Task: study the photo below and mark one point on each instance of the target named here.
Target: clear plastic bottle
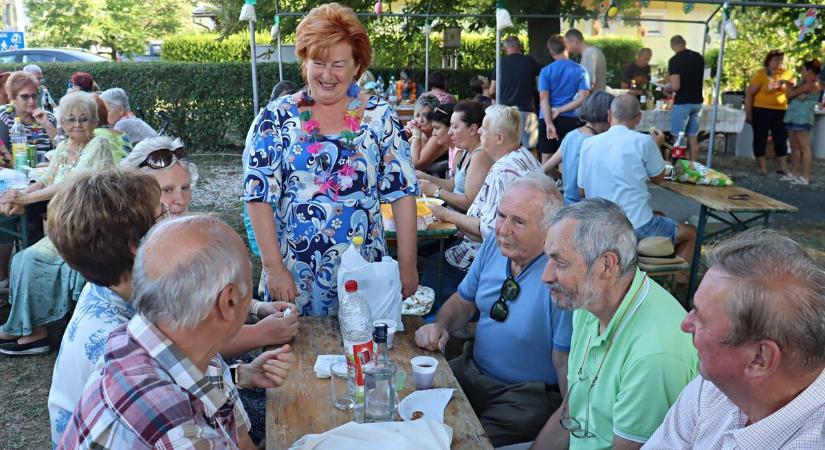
(379, 85)
(392, 96)
(356, 331)
(679, 149)
(19, 144)
(379, 380)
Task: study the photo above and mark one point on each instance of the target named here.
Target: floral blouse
(95, 155)
(324, 191)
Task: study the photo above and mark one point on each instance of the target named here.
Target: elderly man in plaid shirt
(164, 385)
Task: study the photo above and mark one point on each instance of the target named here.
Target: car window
(7, 58)
(37, 57)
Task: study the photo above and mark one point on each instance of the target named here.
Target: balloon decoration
(248, 11)
(378, 8)
(610, 12)
(806, 23)
(276, 27)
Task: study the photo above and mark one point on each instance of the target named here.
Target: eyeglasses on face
(163, 158)
(27, 97)
(72, 120)
(509, 291)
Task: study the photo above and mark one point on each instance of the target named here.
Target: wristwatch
(437, 193)
(234, 372)
(254, 311)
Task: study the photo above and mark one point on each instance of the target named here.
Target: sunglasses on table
(509, 291)
(163, 158)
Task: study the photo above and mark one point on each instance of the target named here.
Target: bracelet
(254, 311)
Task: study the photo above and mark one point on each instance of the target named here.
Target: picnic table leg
(439, 277)
(697, 253)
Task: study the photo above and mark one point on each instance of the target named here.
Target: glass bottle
(379, 380)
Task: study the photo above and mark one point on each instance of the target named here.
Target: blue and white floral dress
(326, 190)
(99, 310)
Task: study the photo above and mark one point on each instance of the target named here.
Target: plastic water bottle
(46, 101)
(379, 84)
(356, 331)
(19, 144)
(392, 96)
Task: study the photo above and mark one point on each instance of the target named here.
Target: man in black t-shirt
(519, 74)
(686, 69)
(638, 71)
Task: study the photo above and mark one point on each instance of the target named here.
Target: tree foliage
(760, 30)
(124, 26)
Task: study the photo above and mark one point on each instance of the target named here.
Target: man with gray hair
(617, 164)
(513, 370)
(121, 117)
(760, 332)
(163, 384)
(628, 360)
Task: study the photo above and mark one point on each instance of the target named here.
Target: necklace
(331, 182)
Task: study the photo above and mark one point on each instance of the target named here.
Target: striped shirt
(150, 395)
(704, 418)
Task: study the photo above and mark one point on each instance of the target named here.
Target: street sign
(12, 40)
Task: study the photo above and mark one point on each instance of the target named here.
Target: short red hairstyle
(327, 25)
(83, 80)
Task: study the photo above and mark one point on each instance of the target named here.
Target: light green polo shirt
(649, 363)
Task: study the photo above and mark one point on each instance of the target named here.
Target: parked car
(35, 55)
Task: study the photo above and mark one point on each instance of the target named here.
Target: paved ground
(25, 381)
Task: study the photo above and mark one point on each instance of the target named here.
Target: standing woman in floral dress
(320, 163)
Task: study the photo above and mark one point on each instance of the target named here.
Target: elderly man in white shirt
(759, 328)
(617, 164)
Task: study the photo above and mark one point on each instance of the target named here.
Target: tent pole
(717, 85)
(427, 56)
(254, 68)
(498, 64)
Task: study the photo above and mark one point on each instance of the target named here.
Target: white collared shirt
(704, 418)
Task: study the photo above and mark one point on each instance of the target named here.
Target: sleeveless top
(801, 109)
(460, 177)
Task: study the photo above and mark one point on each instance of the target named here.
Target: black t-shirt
(634, 72)
(690, 66)
(518, 81)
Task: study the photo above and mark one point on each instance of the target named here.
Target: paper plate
(419, 303)
(430, 402)
(430, 201)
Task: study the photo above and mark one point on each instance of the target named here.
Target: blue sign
(12, 40)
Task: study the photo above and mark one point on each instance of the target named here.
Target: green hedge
(206, 48)
(619, 52)
(210, 105)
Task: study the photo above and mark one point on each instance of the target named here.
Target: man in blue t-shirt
(563, 87)
(509, 373)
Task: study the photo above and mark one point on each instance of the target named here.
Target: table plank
(723, 198)
(304, 404)
(436, 230)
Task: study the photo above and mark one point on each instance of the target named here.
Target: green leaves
(122, 25)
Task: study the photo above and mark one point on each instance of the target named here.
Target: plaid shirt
(150, 395)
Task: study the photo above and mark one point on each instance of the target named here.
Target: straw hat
(658, 250)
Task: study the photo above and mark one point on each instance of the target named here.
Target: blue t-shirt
(564, 79)
(571, 147)
(520, 348)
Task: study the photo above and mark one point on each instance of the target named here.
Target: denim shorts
(658, 226)
(798, 126)
(680, 114)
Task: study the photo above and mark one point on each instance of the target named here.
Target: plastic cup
(392, 327)
(342, 384)
(423, 371)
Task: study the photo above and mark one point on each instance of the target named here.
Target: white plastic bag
(379, 283)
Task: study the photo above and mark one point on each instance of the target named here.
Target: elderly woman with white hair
(121, 117)
(42, 284)
(165, 159)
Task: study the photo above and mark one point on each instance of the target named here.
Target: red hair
(83, 80)
(102, 111)
(327, 25)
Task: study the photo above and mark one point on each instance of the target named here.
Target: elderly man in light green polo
(628, 358)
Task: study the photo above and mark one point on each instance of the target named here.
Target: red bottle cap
(351, 286)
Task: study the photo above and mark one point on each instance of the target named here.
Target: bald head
(181, 267)
(625, 109)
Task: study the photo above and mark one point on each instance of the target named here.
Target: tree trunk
(538, 31)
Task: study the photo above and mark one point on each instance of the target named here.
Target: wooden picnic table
(304, 404)
(725, 204)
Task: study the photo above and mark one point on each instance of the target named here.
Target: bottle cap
(379, 334)
(358, 240)
(350, 285)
